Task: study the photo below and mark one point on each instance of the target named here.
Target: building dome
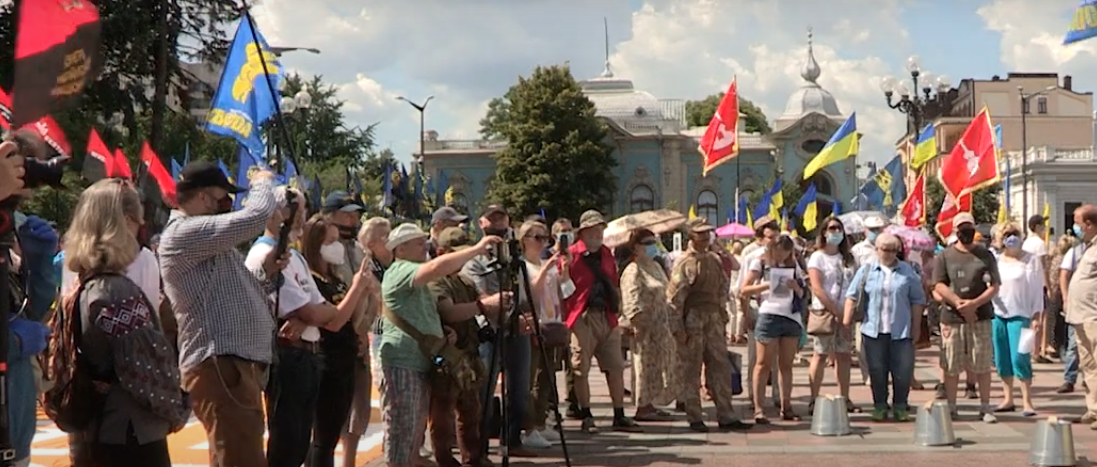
(617, 99)
(811, 98)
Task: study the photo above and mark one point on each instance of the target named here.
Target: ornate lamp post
(910, 102)
(290, 105)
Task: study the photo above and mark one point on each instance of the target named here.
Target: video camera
(39, 171)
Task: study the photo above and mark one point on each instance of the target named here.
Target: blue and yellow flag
(776, 196)
(890, 181)
(225, 170)
(246, 165)
(245, 96)
(925, 147)
(1084, 23)
(764, 207)
(808, 209)
(742, 215)
(843, 144)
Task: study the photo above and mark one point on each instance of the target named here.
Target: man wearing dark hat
(226, 327)
(341, 209)
(591, 314)
(697, 294)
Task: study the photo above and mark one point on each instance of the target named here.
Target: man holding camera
(226, 328)
(459, 303)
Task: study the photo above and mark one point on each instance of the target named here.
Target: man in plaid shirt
(226, 323)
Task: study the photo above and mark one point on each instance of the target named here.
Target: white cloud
(1032, 37)
(465, 53)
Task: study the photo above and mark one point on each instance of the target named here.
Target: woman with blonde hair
(645, 309)
(135, 370)
(1018, 306)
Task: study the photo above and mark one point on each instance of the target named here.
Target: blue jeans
(888, 357)
(292, 395)
(1070, 357)
(1007, 337)
(519, 355)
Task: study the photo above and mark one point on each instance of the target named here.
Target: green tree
(984, 203)
(555, 145)
(320, 134)
(698, 113)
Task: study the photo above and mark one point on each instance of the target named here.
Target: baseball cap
(404, 233)
(963, 218)
(1036, 221)
(204, 174)
(699, 225)
(446, 213)
(341, 201)
(875, 222)
(454, 238)
(493, 209)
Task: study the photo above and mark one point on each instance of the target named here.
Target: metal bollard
(830, 417)
(1052, 444)
(934, 425)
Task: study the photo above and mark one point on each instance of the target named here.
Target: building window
(460, 202)
(641, 199)
(708, 206)
(1041, 105)
(1025, 106)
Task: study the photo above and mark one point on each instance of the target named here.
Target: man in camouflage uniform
(698, 295)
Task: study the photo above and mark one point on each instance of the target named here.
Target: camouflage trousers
(705, 347)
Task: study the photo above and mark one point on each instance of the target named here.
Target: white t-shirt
(1034, 245)
(836, 277)
(864, 252)
(298, 289)
(143, 271)
(1022, 290)
(887, 305)
(1070, 260)
(549, 307)
(782, 307)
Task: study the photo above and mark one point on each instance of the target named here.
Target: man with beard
(341, 209)
(966, 277)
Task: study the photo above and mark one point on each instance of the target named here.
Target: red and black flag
(98, 162)
(5, 110)
(56, 56)
(121, 165)
(161, 178)
(51, 133)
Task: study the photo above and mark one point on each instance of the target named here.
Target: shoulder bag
(860, 306)
(449, 364)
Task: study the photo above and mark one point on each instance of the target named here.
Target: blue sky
(465, 53)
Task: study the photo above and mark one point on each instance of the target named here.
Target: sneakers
(588, 425)
(987, 415)
(901, 415)
(1066, 388)
(969, 392)
(550, 435)
(879, 415)
(534, 440)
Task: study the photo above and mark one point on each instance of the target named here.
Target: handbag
(451, 365)
(821, 323)
(554, 334)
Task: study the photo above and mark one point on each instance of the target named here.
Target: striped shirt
(221, 307)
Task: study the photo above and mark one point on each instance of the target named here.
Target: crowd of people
(288, 333)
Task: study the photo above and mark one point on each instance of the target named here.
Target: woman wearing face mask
(830, 269)
(645, 310)
(1018, 306)
(339, 343)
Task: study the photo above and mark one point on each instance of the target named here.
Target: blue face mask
(835, 238)
(1077, 230)
(871, 236)
(651, 250)
(1012, 242)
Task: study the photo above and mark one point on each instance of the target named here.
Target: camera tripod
(513, 276)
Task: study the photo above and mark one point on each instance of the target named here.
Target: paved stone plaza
(782, 444)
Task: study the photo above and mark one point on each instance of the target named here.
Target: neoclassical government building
(658, 162)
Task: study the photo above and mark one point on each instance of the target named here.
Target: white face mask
(334, 253)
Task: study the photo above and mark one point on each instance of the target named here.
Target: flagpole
(274, 95)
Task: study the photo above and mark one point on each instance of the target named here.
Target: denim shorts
(771, 326)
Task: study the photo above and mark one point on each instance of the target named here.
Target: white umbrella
(658, 221)
(855, 221)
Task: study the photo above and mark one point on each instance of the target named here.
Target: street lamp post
(422, 108)
(301, 101)
(1025, 100)
(910, 103)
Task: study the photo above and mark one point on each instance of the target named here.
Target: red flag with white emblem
(913, 211)
(949, 209)
(721, 141)
(51, 133)
(973, 162)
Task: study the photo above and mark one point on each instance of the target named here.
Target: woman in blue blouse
(896, 300)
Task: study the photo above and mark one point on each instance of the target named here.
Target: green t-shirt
(417, 307)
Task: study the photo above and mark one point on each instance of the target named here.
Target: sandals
(760, 419)
(790, 416)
